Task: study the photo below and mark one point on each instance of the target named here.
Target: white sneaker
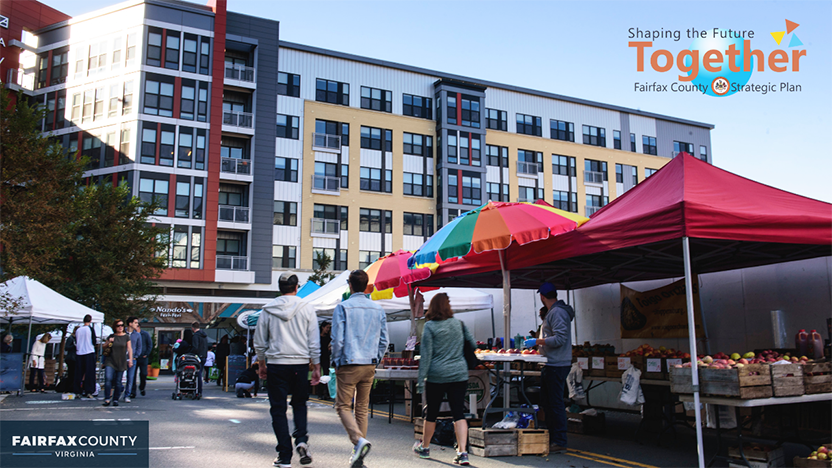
(127, 399)
(362, 448)
(303, 452)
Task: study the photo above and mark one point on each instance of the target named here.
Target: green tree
(320, 275)
(38, 182)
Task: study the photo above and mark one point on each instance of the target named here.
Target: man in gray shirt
(136, 344)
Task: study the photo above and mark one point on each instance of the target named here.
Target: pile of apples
(723, 361)
(662, 352)
(822, 453)
(587, 350)
(506, 351)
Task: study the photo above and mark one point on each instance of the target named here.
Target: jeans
(553, 380)
(142, 363)
(86, 373)
(131, 379)
(282, 380)
(41, 378)
(354, 382)
(112, 379)
(199, 380)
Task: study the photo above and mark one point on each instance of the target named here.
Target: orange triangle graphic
(790, 26)
(778, 36)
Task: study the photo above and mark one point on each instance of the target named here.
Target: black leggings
(434, 393)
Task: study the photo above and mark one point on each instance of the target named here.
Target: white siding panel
(540, 181)
(326, 157)
(560, 183)
(345, 155)
(412, 163)
(286, 235)
(388, 243)
(323, 242)
(592, 190)
(288, 148)
(287, 191)
(388, 161)
(525, 182)
(345, 238)
(369, 241)
(412, 242)
(430, 166)
(290, 106)
(619, 188)
(492, 174)
(370, 158)
(641, 126)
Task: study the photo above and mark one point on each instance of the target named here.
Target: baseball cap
(288, 278)
(547, 288)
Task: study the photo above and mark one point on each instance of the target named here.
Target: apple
(813, 454)
(707, 359)
(731, 362)
(748, 355)
(823, 449)
(740, 365)
(735, 356)
(822, 456)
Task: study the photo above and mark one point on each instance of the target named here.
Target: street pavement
(223, 431)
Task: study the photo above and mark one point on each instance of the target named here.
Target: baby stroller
(187, 372)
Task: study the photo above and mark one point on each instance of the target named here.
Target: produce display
(506, 351)
(822, 453)
(736, 360)
(650, 352)
(588, 350)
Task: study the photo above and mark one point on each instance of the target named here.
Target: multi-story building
(265, 153)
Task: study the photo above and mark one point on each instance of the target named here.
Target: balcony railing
(594, 177)
(18, 77)
(525, 200)
(326, 226)
(234, 214)
(238, 119)
(324, 140)
(590, 210)
(236, 166)
(326, 183)
(230, 262)
(524, 167)
(239, 72)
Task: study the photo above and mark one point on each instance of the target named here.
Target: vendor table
(408, 376)
(504, 378)
(759, 402)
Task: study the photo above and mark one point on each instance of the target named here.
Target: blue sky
(580, 49)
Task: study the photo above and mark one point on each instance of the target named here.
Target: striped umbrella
(390, 275)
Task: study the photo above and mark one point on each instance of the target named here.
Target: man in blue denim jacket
(359, 341)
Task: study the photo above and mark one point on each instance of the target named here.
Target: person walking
(443, 370)
(359, 341)
(556, 345)
(210, 360)
(200, 344)
(326, 357)
(147, 347)
(136, 343)
(37, 363)
(223, 350)
(85, 358)
(287, 342)
(118, 358)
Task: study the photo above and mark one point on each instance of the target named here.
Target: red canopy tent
(688, 218)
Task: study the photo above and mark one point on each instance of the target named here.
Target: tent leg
(493, 325)
(506, 300)
(700, 445)
(63, 350)
(412, 302)
(706, 338)
(26, 352)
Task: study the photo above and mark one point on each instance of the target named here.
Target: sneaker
(127, 399)
(461, 459)
(303, 452)
(132, 395)
(142, 392)
(115, 402)
(362, 448)
(282, 463)
(555, 448)
(421, 451)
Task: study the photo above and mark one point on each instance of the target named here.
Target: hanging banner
(659, 313)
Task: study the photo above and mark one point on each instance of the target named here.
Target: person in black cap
(556, 344)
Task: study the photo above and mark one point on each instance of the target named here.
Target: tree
(37, 187)
(321, 276)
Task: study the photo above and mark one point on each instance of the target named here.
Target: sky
(580, 49)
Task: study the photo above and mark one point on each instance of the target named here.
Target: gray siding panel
(668, 132)
(625, 131)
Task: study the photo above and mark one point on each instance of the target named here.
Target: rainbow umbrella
(390, 275)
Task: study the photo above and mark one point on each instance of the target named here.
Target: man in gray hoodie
(287, 342)
(556, 345)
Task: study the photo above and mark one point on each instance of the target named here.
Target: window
(470, 111)
(566, 201)
(682, 147)
(233, 195)
(367, 258)
(287, 126)
(333, 92)
(124, 153)
(285, 213)
(60, 114)
(497, 191)
(469, 149)
(528, 125)
(452, 146)
(417, 224)
(326, 177)
(703, 152)
(166, 145)
(453, 187)
(179, 242)
(236, 148)
(418, 185)
(197, 206)
(89, 98)
(186, 147)
(60, 66)
(529, 194)
(496, 155)
(172, 50)
(154, 47)
(563, 165)
(98, 107)
(189, 53)
(116, 62)
(288, 84)
(183, 199)
(231, 244)
(130, 55)
(496, 119)
(594, 136)
(371, 220)
(371, 138)
(560, 130)
(97, 58)
(148, 151)
(648, 144)
(91, 148)
(452, 108)
(202, 103)
(337, 256)
(110, 149)
(595, 171)
(531, 162)
(204, 55)
(158, 96)
(286, 169)
(75, 115)
(633, 142)
(628, 173)
(648, 172)
(152, 190)
(187, 107)
(283, 256)
(371, 179)
(420, 145)
(326, 127)
(452, 214)
(127, 101)
(340, 213)
(43, 67)
(596, 201)
(471, 188)
(115, 94)
(616, 139)
(417, 106)
(199, 163)
(376, 99)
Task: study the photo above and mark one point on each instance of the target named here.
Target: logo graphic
(720, 86)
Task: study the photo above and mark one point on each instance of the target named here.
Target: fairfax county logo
(720, 86)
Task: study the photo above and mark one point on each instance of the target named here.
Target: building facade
(266, 153)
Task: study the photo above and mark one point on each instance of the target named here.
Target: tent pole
(412, 302)
(506, 300)
(700, 446)
(706, 338)
(28, 353)
(63, 350)
(493, 326)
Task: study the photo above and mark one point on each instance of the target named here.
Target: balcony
(234, 214)
(236, 166)
(326, 227)
(594, 177)
(230, 262)
(17, 79)
(326, 184)
(590, 210)
(239, 72)
(238, 119)
(326, 142)
(527, 168)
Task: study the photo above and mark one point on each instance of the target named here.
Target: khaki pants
(354, 382)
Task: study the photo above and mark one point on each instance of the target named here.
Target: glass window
(190, 52)
(333, 92)
(648, 144)
(616, 139)
(376, 99)
(496, 119)
(148, 151)
(594, 136)
(287, 126)
(153, 190)
(187, 107)
(528, 125)
(496, 155)
(154, 47)
(183, 200)
(470, 111)
(417, 106)
(376, 180)
(288, 84)
(286, 169)
(376, 138)
(563, 165)
(186, 147)
(283, 256)
(285, 213)
(566, 201)
(172, 50)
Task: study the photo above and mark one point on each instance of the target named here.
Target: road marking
(598, 460)
(606, 457)
(172, 448)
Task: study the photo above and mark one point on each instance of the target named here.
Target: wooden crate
(680, 380)
(577, 423)
(821, 379)
(751, 381)
(492, 442)
(757, 456)
(419, 426)
(595, 371)
(787, 380)
(612, 365)
(660, 375)
(532, 442)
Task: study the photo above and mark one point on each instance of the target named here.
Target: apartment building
(265, 153)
